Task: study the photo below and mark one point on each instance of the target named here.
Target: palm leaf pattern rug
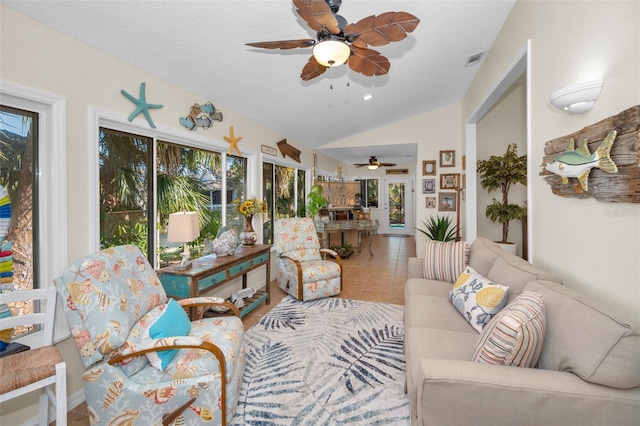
(325, 362)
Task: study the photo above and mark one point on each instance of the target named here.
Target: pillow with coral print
(477, 298)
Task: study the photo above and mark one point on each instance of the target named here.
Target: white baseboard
(73, 401)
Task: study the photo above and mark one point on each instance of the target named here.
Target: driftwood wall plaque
(623, 186)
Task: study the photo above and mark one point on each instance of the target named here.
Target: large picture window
(140, 187)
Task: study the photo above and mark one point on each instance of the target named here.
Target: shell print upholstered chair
(146, 362)
(301, 270)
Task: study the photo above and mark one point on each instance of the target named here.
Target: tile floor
(377, 278)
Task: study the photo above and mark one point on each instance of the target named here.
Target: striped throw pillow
(445, 261)
(515, 335)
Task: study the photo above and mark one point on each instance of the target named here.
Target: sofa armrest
(463, 392)
(416, 267)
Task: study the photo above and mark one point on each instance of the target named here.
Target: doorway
(397, 206)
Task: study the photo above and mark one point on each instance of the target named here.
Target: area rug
(325, 362)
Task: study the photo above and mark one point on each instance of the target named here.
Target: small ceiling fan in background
(373, 164)
(341, 43)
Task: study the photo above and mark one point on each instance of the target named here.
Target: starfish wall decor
(233, 141)
(141, 105)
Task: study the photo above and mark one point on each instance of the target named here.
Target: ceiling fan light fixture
(373, 166)
(331, 53)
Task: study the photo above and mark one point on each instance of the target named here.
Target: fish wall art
(201, 116)
(577, 163)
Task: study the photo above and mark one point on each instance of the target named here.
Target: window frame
(103, 118)
(52, 189)
(364, 199)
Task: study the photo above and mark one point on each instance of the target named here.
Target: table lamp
(184, 227)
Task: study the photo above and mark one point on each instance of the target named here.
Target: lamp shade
(183, 227)
(331, 53)
(578, 98)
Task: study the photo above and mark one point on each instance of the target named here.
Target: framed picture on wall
(428, 167)
(447, 158)
(430, 202)
(428, 186)
(449, 181)
(447, 201)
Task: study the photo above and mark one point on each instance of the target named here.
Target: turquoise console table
(209, 272)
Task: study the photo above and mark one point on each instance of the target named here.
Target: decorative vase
(248, 236)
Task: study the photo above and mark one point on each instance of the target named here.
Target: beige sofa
(588, 372)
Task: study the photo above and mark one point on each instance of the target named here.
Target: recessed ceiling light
(367, 97)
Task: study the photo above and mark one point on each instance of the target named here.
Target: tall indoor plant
(500, 173)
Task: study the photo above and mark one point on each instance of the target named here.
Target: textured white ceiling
(200, 46)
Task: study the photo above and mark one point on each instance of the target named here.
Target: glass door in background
(398, 207)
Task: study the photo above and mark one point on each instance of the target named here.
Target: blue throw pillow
(172, 322)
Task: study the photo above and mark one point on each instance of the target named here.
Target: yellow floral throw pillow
(477, 298)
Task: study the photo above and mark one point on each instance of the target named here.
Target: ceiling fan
(340, 43)
(374, 163)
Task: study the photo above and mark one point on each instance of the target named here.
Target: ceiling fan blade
(368, 62)
(383, 29)
(361, 164)
(317, 15)
(284, 44)
(312, 69)
(387, 164)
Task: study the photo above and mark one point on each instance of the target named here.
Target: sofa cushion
(435, 312)
(587, 338)
(445, 260)
(476, 298)
(516, 272)
(516, 335)
(427, 287)
(483, 254)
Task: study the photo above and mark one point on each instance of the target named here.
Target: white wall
(593, 246)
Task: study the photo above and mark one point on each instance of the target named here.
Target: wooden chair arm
(299, 266)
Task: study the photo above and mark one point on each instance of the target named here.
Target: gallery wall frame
(447, 202)
(430, 202)
(428, 186)
(428, 167)
(449, 180)
(448, 158)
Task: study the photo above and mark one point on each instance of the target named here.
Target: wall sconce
(577, 99)
(183, 227)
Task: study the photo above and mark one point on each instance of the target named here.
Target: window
(140, 187)
(19, 225)
(369, 192)
(284, 191)
(47, 254)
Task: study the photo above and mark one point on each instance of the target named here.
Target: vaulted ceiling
(200, 46)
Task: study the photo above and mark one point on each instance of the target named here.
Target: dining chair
(39, 368)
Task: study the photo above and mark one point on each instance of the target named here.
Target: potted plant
(344, 251)
(439, 228)
(317, 200)
(500, 173)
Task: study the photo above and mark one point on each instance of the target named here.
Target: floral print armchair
(119, 317)
(301, 270)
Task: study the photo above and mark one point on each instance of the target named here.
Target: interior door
(398, 207)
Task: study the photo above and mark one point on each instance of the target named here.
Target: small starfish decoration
(233, 141)
(142, 105)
